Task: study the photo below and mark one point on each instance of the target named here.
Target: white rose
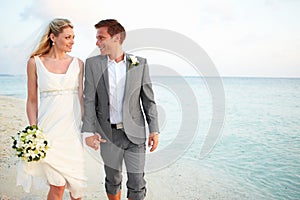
(134, 60)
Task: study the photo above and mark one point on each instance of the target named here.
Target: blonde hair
(56, 27)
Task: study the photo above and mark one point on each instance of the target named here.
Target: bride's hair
(56, 27)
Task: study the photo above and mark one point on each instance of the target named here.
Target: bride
(55, 104)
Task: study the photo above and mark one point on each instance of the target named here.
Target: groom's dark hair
(113, 28)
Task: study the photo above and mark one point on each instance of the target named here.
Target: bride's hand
(94, 141)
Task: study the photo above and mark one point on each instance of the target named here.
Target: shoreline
(183, 179)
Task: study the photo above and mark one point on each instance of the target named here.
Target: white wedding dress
(59, 116)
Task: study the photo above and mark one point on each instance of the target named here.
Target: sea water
(13, 85)
(258, 146)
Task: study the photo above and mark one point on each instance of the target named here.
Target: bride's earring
(53, 43)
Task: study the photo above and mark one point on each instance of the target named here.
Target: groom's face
(104, 41)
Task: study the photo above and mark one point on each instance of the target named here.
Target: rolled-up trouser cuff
(112, 189)
(136, 195)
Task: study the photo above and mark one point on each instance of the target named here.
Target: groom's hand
(153, 141)
(94, 141)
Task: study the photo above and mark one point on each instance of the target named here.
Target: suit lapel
(127, 62)
(103, 64)
(127, 83)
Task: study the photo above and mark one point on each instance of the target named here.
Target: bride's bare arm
(32, 101)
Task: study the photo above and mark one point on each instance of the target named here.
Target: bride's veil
(31, 43)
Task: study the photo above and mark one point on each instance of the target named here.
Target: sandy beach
(180, 180)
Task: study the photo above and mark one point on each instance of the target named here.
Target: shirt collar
(113, 61)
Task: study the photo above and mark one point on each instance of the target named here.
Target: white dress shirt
(117, 81)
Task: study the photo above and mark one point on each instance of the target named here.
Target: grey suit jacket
(138, 95)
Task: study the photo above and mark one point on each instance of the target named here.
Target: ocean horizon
(15, 85)
(258, 147)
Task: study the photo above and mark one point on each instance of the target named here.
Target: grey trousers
(113, 153)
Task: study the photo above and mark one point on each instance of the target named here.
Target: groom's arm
(149, 107)
(89, 100)
(148, 102)
(88, 128)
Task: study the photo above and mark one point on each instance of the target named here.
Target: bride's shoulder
(31, 65)
(80, 62)
(31, 61)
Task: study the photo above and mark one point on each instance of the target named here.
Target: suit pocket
(137, 114)
(138, 119)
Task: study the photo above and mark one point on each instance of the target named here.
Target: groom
(118, 97)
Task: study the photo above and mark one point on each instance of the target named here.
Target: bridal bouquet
(30, 144)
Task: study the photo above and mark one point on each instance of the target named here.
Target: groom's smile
(106, 43)
(103, 40)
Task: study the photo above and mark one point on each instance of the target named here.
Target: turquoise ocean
(259, 145)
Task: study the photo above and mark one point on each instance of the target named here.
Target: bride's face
(65, 40)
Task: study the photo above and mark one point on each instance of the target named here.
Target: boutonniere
(133, 61)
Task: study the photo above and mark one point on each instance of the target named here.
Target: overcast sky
(242, 37)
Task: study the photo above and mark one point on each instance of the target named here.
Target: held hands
(153, 141)
(94, 141)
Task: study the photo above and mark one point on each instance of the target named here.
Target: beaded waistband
(57, 92)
